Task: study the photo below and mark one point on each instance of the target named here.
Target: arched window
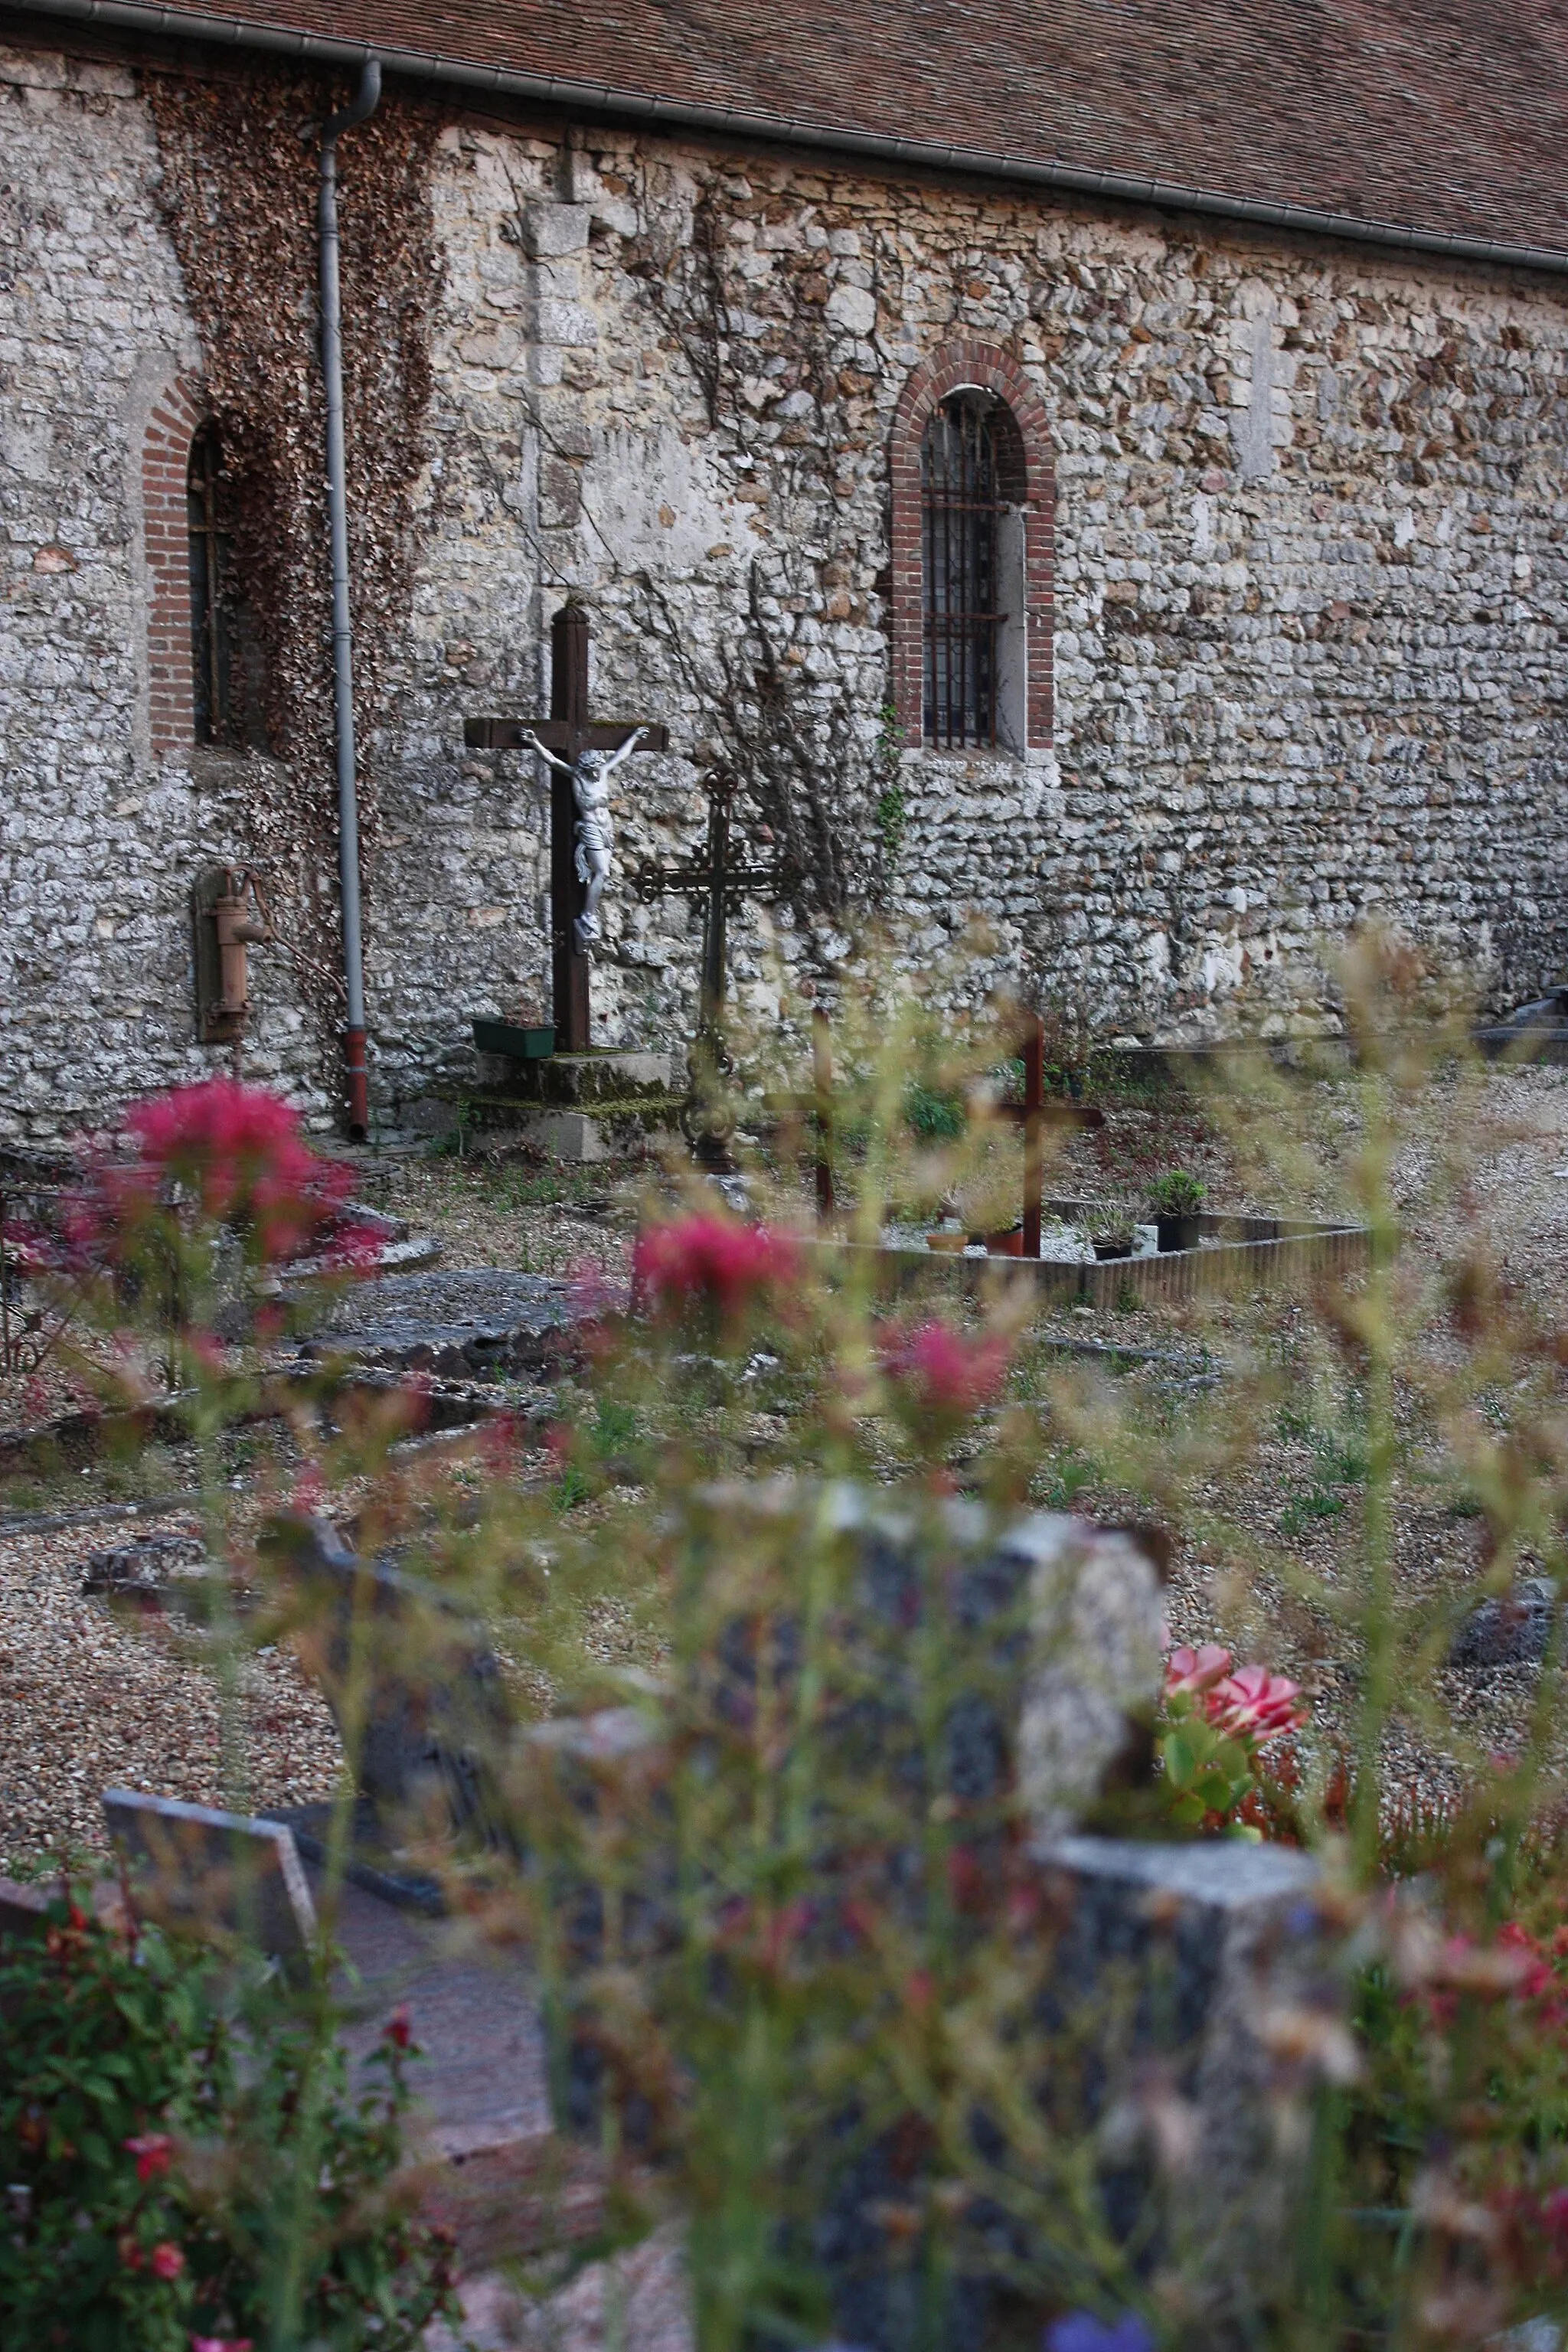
(225, 652)
(972, 489)
(972, 486)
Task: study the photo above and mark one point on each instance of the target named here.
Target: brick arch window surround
(974, 494)
(206, 672)
(172, 426)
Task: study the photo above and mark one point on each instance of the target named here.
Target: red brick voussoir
(166, 461)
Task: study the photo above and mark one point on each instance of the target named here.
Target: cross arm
(559, 735)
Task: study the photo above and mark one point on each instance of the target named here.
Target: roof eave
(561, 90)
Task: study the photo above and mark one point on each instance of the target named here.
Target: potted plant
(1176, 1199)
(1117, 1243)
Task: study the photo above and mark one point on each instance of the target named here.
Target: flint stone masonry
(1308, 594)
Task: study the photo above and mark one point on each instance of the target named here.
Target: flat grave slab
(484, 1323)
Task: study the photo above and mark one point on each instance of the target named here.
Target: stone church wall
(1309, 597)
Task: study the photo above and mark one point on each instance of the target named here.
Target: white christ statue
(596, 834)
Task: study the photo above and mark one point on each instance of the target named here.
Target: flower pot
(1179, 1233)
(1112, 1245)
(948, 1243)
(1007, 1244)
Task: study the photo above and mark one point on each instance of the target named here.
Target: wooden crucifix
(567, 733)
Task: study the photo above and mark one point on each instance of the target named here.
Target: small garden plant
(1176, 1194)
(187, 2163)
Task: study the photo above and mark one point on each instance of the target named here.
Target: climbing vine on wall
(241, 167)
(816, 763)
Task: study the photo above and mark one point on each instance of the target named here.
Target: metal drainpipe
(365, 104)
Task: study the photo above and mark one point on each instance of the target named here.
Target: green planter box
(517, 1045)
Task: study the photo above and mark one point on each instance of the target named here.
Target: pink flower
(165, 2260)
(1189, 1673)
(1252, 1704)
(154, 2151)
(713, 1262)
(236, 1149)
(353, 1249)
(221, 2344)
(944, 1372)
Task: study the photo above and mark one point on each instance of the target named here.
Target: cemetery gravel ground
(87, 1699)
(90, 1699)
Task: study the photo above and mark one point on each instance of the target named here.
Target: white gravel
(91, 1696)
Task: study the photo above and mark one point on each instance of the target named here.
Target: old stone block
(549, 230)
(1509, 1629)
(422, 1727)
(1197, 1966)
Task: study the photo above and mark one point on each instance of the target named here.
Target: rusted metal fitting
(229, 916)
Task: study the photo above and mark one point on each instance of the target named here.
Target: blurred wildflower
(943, 1372)
(237, 1153)
(165, 2262)
(710, 1262)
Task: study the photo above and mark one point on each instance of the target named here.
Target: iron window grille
(964, 459)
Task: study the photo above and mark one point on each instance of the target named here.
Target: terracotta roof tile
(1449, 116)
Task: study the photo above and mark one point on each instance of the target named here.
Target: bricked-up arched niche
(206, 673)
(165, 469)
(971, 440)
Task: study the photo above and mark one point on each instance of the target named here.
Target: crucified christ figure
(590, 773)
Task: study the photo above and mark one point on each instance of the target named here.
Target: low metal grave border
(1242, 1253)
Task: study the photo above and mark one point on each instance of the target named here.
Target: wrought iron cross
(569, 731)
(718, 883)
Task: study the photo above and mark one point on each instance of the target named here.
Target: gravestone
(417, 1696)
(223, 1876)
(1179, 1964)
(1201, 1968)
(721, 883)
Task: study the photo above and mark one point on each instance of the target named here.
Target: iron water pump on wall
(229, 917)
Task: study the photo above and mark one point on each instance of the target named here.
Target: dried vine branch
(798, 765)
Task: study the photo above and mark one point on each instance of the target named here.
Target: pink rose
(1189, 1673)
(165, 2260)
(154, 2151)
(1252, 1704)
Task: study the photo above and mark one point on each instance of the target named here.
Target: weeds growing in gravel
(756, 1821)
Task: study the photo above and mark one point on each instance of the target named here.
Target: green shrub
(186, 2158)
(933, 1114)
